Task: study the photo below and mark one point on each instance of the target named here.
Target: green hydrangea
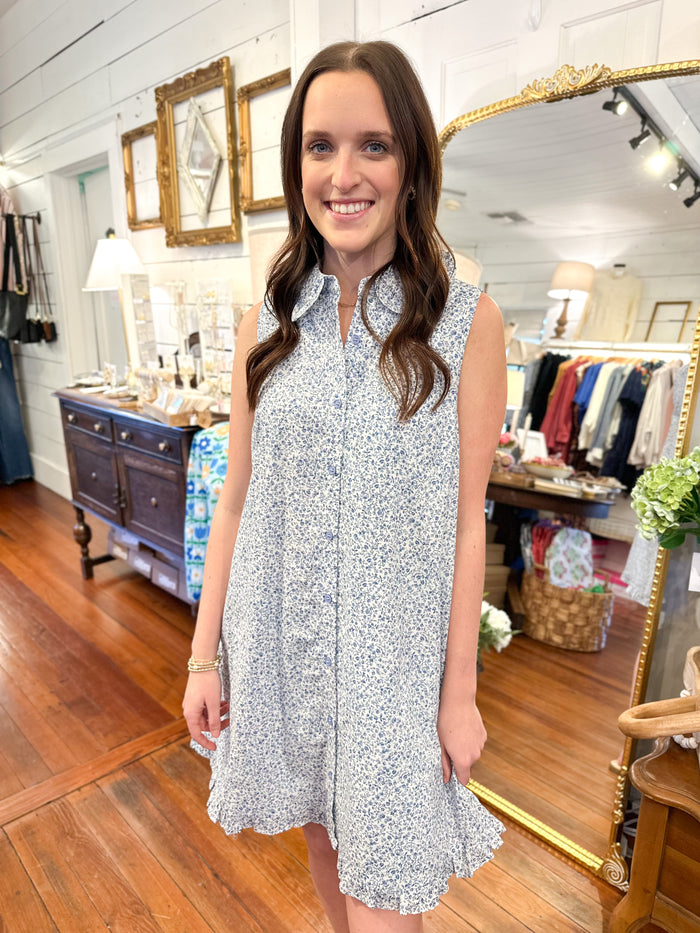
(667, 501)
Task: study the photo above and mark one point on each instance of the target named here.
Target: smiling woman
(367, 399)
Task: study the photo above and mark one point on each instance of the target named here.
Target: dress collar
(388, 288)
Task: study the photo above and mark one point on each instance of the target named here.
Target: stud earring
(411, 193)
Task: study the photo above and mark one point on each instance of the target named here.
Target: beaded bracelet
(195, 666)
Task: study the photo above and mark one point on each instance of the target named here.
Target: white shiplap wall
(74, 75)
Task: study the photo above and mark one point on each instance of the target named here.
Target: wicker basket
(566, 618)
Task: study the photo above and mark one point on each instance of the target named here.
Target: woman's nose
(345, 174)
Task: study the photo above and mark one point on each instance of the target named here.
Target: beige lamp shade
(571, 280)
(113, 258)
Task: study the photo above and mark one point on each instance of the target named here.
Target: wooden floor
(551, 740)
(102, 803)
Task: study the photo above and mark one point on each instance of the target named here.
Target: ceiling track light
(679, 179)
(689, 201)
(618, 107)
(645, 133)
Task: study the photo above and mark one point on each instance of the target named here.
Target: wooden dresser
(131, 471)
(665, 880)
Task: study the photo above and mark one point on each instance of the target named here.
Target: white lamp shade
(571, 280)
(113, 258)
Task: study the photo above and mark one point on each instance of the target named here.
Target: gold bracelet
(195, 666)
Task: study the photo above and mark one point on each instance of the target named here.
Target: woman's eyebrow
(362, 134)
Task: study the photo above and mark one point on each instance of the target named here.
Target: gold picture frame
(249, 203)
(128, 140)
(185, 88)
(666, 325)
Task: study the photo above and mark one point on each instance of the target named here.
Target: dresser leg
(636, 908)
(82, 533)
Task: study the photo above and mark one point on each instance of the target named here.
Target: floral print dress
(335, 625)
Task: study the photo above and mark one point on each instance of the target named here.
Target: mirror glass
(523, 191)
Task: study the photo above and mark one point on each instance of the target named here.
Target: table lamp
(570, 280)
(114, 258)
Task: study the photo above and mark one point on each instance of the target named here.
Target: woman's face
(351, 168)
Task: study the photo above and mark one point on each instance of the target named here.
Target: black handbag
(13, 303)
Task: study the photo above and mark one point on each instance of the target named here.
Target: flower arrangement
(495, 630)
(508, 440)
(667, 500)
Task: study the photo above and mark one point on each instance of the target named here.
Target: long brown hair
(407, 362)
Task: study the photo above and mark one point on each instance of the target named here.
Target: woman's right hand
(203, 707)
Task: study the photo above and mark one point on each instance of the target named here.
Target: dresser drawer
(148, 440)
(91, 421)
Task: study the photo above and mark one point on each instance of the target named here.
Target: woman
(363, 424)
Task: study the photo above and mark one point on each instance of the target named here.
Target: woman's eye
(319, 147)
(376, 147)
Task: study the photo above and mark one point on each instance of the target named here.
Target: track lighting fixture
(618, 107)
(675, 184)
(645, 133)
(667, 151)
(689, 201)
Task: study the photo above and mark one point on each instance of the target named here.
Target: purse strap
(11, 250)
(41, 281)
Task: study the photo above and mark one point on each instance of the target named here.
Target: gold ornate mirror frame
(191, 85)
(568, 82)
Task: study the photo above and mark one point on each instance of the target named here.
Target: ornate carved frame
(248, 202)
(568, 82)
(192, 84)
(149, 129)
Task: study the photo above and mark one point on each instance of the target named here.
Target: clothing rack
(647, 351)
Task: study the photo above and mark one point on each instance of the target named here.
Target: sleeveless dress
(335, 624)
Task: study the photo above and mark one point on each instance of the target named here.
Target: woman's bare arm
(201, 703)
(481, 405)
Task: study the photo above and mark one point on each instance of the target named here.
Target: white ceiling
(569, 169)
(5, 6)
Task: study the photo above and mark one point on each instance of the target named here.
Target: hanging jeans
(15, 462)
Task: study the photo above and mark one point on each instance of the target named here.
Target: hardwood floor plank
(220, 907)
(46, 862)
(165, 902)
(114, 901)
(273, 898)
(20, 904)
(34, 797)
(75, 608)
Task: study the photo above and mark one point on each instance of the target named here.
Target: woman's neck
(350, 271)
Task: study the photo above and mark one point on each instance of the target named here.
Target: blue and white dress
(335, 625)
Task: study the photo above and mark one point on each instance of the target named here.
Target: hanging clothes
(654, 417)
(545, 381)
(557, 424)
(631, 400)
(609, 418)
(15, 462)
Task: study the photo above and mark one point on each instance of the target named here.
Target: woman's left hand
(462, 736)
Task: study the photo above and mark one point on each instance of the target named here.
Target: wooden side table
(665, 879)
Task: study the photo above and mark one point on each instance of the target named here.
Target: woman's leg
(364, 919)
(323, 862)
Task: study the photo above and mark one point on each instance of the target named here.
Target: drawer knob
(164, 447)
(99, 428)
(126, 435)
(71, 419)
(93, 475)
(154, 502)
